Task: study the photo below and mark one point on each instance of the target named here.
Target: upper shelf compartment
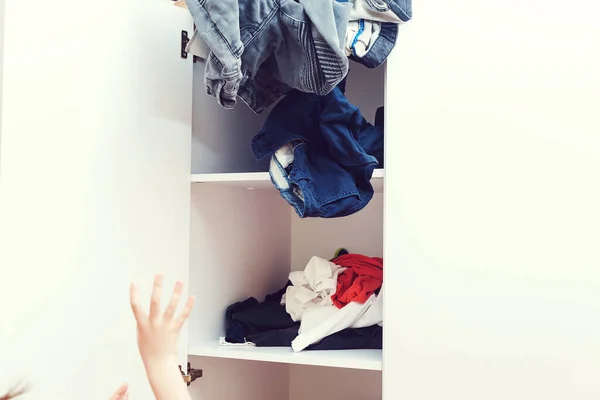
(221, 138)
(262, 180)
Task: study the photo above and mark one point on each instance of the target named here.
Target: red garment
(363, 276)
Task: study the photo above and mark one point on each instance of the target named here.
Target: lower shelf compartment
(351, 359)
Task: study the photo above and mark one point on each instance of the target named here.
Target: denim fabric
(385, 15)
(261, 49)
(381, 47)
(402, 8)
(327, 166)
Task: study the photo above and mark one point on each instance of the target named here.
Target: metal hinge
(195, 59)
(185, 39)
(192, 374)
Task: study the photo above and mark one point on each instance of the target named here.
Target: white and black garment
(320, 322)
(372, 30)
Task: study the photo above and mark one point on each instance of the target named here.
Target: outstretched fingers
(155, 314)
(121, 393)
(134, 299)
(155, 297)
(185, 313)
(174, 302)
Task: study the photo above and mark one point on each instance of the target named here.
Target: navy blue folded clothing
(276, 338)
(379, 116)
(277, 296)
(250, 317)
(349, 339)
(352, 339)
(235, 332)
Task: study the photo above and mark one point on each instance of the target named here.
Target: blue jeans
(262, 49)
(322, 153)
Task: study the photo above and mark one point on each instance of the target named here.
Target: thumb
(121, 393)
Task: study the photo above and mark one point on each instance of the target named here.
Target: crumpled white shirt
(312, 287)
(324, 321)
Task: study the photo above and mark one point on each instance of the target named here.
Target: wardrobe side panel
(240, 247)
(319, 383)
(492, 217)
(240, 380)
(359, 233)
(221, 138)
(365, 88)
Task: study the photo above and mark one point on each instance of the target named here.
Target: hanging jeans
(322, 153)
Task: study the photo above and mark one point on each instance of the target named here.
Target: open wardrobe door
(94, 192)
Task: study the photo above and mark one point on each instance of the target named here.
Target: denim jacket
(262, 49)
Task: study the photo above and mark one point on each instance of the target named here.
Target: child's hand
(120, 394)
(158, 332)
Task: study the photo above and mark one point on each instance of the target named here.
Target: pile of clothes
(262, 49)
(331, 305)
(323, 152)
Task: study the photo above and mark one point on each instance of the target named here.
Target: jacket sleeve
(217, 23)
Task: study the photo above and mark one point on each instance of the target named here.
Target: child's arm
(157, 340)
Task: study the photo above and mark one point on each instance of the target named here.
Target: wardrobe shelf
(262, 180)
(351, 359)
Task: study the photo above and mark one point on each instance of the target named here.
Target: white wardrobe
(115, 165)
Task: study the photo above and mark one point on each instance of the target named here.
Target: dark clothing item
(377, 146)
(349, 339)
(379, 116)
(328, 161)
(277, 296)
(278, 338)
(352, 339)
(250, 317)
(371, 139)
(264, 317)
(235, 332)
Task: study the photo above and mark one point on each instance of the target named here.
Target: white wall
(492, 202)
(358, 233)
(1, 63)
